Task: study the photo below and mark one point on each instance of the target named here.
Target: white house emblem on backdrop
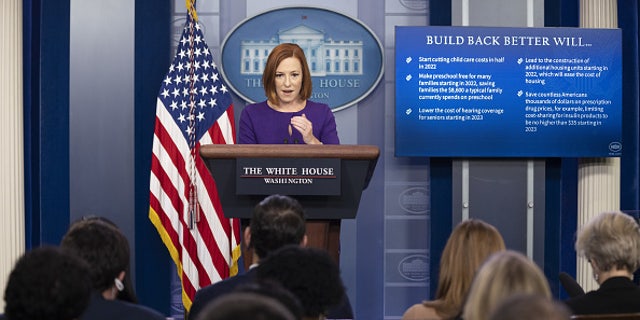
(325, 57)
(414, 267)
(344, 56)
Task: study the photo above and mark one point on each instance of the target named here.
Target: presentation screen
(508, 92)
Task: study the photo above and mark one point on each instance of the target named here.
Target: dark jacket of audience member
(47, 283)
(106, 250)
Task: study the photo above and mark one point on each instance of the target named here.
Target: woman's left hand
(305, 127)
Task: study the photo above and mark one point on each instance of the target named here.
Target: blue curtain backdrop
(630, 162)
(46, 124)
(152, 60)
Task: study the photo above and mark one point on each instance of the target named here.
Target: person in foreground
(309, 273)
(274, 290)
(276, 221)
(530, 307)
(287, 116)
(129, 293)
(469, 245)
(503, 275)
(611, 244)
(47, 283)
(106, 250)
(246, 306)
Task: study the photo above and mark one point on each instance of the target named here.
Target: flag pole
(191, 7)
(194, 209)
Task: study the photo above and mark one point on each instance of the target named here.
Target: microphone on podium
(570, 285)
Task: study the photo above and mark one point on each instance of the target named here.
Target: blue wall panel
(152, 59)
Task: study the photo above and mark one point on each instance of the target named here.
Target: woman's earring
(119, 284)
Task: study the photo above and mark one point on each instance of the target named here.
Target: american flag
(193, 108)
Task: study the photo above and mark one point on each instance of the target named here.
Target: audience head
(610, 241)
(277, 221)
(309, 273)
(530, 307)
(105, 249)
(469, 245)
(275, 290)
(245, 306)
(47, 283)
(128, 293)
(503, 274)
(277, 55)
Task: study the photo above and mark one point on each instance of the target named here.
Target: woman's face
(288, 80)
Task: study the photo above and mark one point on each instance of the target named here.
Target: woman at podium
(287, 116)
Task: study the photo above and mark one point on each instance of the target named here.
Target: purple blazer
(259, 124)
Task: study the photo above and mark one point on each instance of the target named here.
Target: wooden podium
(327, 180)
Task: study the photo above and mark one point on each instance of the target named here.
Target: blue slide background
(504, 54)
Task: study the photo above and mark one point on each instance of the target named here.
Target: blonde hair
(530, 307)
(611, 239)
(503, 275)
(468, 246)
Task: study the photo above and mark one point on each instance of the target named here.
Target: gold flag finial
(192, 9)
